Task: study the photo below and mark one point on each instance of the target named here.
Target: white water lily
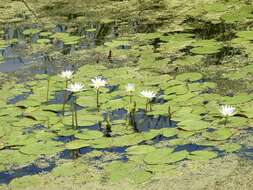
(98, 82)
(75, 87)
(67, 74)
(130, 87)
(227, 110)
(148, 94)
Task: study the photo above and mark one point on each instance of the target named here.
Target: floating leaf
(193, 125)
(140, 149)
(76, 144)
(202, 155)
(219, 134)
(89, 134)
(160, 156)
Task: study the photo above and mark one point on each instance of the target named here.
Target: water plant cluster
(99, 82)
(185, 122)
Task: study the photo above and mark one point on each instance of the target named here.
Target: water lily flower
(67, 74)
(75, 87)
(148, 94)
(130, 87)
(98, 82)
(227, 110)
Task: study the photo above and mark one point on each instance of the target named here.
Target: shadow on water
(73, 154)
(19, 97)
(7, 176)
(15, 58)
(246, 152)
(190, 147)
(142, 121)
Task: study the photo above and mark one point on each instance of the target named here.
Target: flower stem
(130, 99)
(65, 97)
(169, 114)
(226, 120)
(47, 88)
(98, 100)
(75, 113)
(150, 106)
(147, 102)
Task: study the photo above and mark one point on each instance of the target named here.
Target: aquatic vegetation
(190, 62)
(75, 88)
(149, 95)
(98, 83)
(227, 111)
(48, 88)
(67, 76)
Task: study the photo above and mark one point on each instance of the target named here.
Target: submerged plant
(169, 114)
(74, 88)
(130, 88)
(98, 83)
(227, 111)
(149, 95)
(108, 126)
(132, 121)
(67, 76)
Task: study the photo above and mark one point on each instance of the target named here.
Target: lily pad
(159, 156)
(69, 169)
(140, 149)
(189, 77)
(202, 155)
(76, 144)
(219, 134)
(230, 147)
(193, 125)
(89, 134)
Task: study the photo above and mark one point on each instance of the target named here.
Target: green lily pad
(219, 134)
(189, 77)
(202, 155)
(69, 169)
(140, 149)
(118, 171)
(43, 41)
(193, 125)
(169, 132)
(231, 147)
(31, 31)
(42, 148)
(26, 182)
(89, 134)
(76, 144)
(159, 156)
(177, 156)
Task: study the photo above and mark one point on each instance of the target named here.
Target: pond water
(185, 60)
